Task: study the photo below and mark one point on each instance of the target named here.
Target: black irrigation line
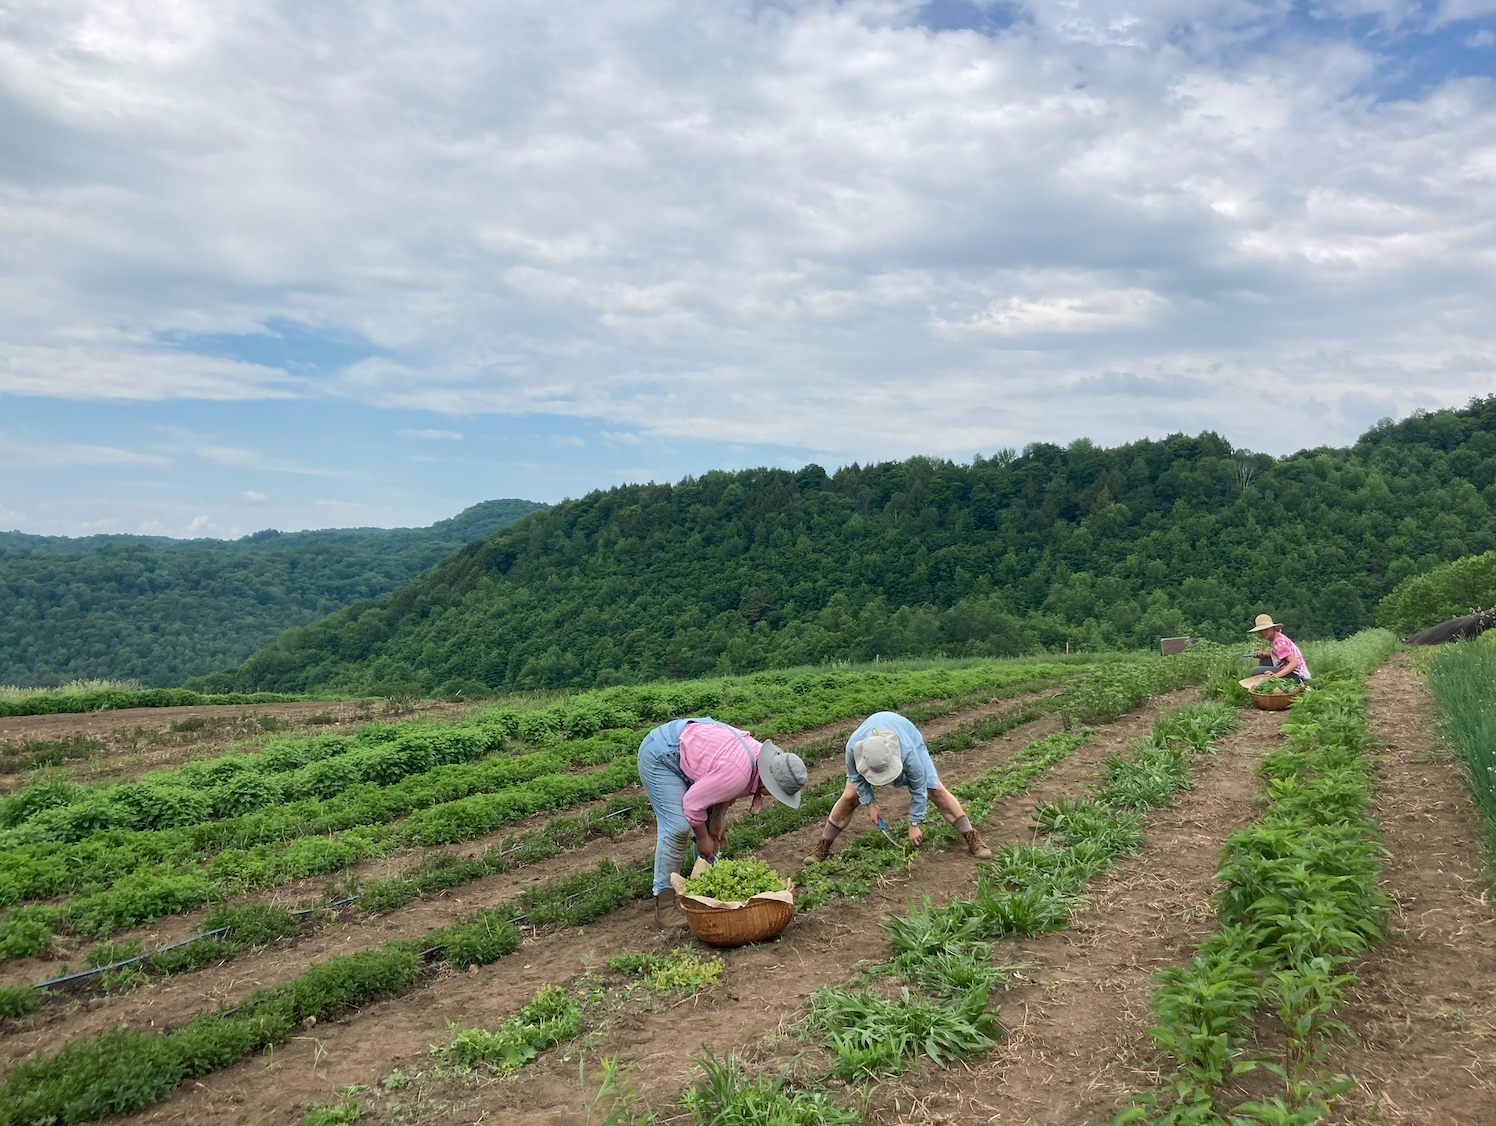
(303, 911)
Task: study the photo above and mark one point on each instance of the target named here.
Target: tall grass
(1463, 681)
(1356, 655)
(10, 693)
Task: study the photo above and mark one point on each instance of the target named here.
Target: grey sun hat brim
(879, 757)
(782, 774)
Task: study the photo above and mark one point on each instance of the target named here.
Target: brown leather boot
(667, 911)
(975, 846)
(823, 850)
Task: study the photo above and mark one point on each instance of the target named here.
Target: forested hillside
(159, 610)
(1095, 547)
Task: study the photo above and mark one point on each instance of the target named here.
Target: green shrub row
(1299, 901)
(1112, 690)
(112, 699)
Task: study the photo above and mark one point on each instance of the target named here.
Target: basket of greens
(734, 902)
(1275, 693)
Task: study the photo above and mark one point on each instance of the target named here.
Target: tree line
(1080, 545)
(160, 611)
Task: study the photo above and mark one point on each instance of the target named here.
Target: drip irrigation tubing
(81, 974)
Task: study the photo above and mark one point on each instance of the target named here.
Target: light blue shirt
(915, 777)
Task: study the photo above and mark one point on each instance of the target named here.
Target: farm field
(1070, 1041)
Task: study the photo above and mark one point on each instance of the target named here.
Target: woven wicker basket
(755, 921)
(1275, 701)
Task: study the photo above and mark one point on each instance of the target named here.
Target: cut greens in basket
(735, 880)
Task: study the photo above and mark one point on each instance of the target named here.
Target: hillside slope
(160, 610)
(1095, 547)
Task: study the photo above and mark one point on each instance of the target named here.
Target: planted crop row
(1299, 901)
(61, 811)
(440, 870)
(123, 1071)
(28, 872)
(945, 954)
(109, 699)
(294, 768)
(167, 887)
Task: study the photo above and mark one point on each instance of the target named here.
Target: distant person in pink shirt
(1282, 656)
(692, 770)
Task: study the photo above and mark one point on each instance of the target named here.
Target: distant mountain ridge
(1091, 547)
(160, 610)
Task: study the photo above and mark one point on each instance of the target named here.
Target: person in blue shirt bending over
(889, 750)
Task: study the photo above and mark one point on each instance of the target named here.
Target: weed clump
(554, 1015)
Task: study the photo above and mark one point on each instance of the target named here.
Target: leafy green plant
(615, 1102)
(554, 1015)
(871, 1036)
(333, 1113)
(733, 880)
(18, 1000)
(1460, 680)
(726, 1095)
(680, 970)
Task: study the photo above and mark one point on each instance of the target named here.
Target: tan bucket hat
(782, 773)
(879, 757)
(1264, 621)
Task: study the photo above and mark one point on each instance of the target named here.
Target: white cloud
(432, 435)
(18, 453)
(816, 224)
(249, 496)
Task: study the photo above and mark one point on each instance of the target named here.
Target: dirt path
(172, 1001)
(1424, 1015)
(765, 985)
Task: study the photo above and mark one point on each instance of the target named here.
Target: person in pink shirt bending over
(1282, 656)
(692, 770)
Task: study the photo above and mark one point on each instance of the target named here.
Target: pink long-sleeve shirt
(722, 771)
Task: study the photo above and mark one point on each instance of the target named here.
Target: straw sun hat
(1264, 621)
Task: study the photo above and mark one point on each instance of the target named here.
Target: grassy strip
(85, 698)
(1300, 900)
(1461, 680)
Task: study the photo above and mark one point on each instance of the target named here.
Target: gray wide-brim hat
(879, 757)
(783, 774)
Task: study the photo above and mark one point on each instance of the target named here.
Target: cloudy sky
(277, 264)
